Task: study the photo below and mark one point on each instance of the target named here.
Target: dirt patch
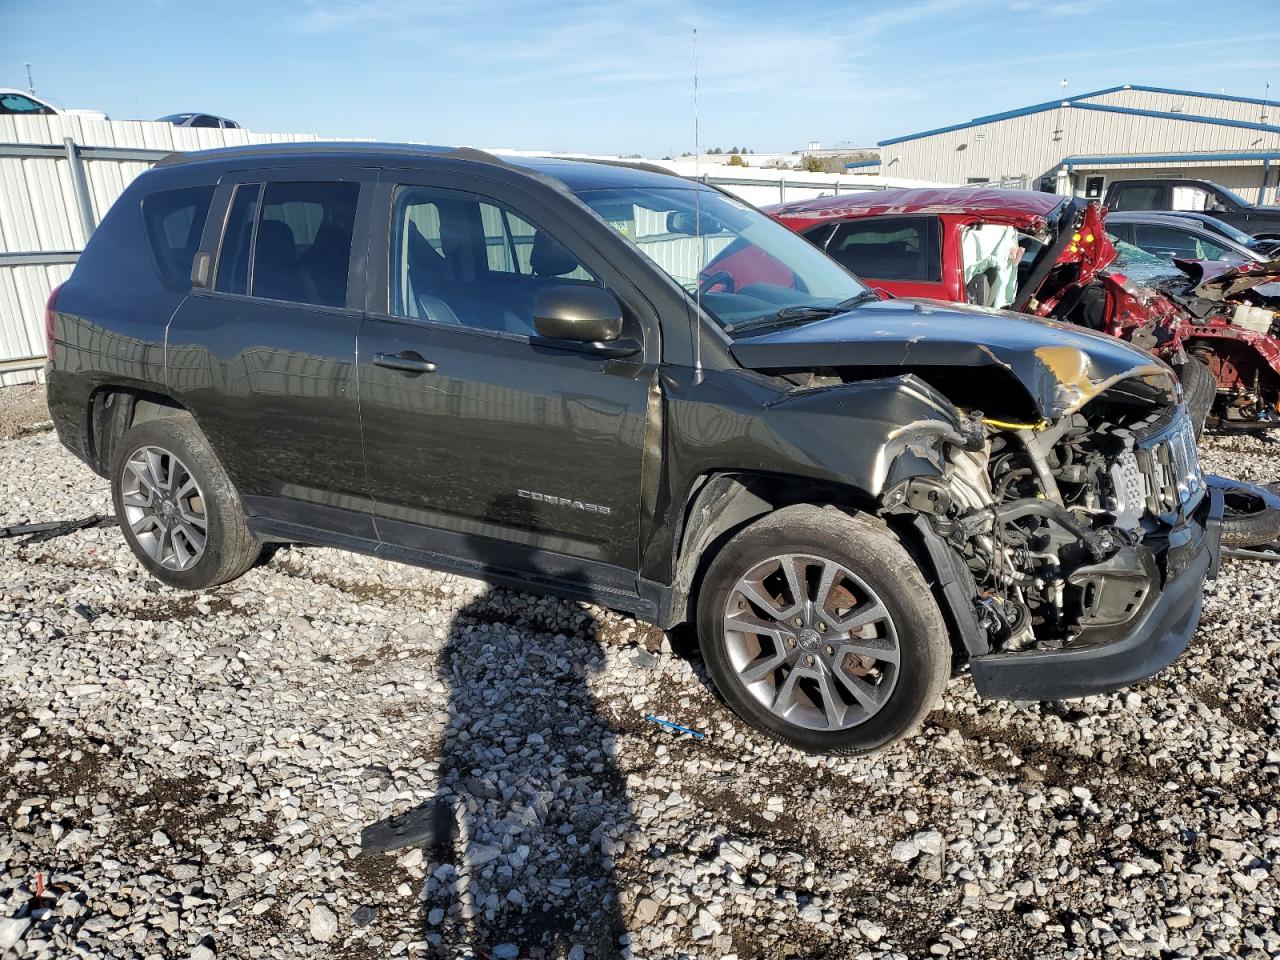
(1044, 763)
(22, 410)
(363, 590)
(184, 607)
(181, 807)
(74, 767)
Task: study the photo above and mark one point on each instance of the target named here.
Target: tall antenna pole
(697, 229)
(31, 84)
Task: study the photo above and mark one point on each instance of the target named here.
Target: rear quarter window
(174, 221)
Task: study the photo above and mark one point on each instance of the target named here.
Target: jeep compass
(609, 383)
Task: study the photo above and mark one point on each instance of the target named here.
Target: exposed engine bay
(1054, 483)
(1064, 526)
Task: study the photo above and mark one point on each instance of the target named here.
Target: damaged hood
(1061, 367)
(1217, 281)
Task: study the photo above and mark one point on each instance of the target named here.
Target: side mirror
(581, 315)
(684, 223)
(200, 270)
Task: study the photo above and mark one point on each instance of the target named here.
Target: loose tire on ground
(863, 569)
(228, 549)
(1248, 520)
(1199, 391)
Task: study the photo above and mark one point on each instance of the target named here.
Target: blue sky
(590, 76)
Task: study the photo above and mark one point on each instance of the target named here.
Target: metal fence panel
(42, 223)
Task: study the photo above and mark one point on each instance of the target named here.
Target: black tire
(1248, 520)
(229, 548)
(869, 551)
(1199, 391)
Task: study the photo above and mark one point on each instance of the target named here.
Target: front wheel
(818, 628)
(177, 507)
(1199, 392)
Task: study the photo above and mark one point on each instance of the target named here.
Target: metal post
(84, 202)
(782, 190)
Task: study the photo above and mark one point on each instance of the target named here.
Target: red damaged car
(1233, 326)
(1037, 253)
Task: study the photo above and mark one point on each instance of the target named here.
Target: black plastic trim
(646, 608)
(1153, 643)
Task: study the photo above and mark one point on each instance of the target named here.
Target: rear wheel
(177, 507)
(818, 628)
(1199, 390)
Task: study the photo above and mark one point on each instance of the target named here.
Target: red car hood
(1218, 281)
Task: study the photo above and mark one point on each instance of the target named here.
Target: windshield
(1141, 267)
(746, 269)
(1227, 230)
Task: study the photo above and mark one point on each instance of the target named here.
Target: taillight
(50, 309)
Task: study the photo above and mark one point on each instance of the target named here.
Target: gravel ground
(189, 775)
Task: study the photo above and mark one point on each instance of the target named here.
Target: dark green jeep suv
(610, 383)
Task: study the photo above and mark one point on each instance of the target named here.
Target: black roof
(583, 174)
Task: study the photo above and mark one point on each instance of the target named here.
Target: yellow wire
(1006, 425)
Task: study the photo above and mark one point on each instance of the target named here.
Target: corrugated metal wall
(39, 212)
(1189, 103)
(1035, 144)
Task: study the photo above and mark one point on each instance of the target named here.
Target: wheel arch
(114, 409)
(721, 503)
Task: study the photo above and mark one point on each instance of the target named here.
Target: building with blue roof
(1080, 143)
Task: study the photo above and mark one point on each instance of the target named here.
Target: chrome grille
(1172, 469)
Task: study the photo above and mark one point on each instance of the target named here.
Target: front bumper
(1152, 642)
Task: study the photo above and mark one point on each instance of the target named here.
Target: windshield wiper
(803, 312)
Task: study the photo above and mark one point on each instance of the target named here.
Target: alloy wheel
(812, 642)
(165, 508)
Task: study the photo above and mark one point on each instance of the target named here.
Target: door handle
(410, 361)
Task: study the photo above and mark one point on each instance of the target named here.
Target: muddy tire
(819, 629)
(1199, 391)
(177, 507)
(1247, 519)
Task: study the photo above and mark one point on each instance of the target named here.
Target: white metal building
(1083, 142)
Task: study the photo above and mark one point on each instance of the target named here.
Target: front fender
(868, 435)
(844, 443)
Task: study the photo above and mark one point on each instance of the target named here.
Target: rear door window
(232, 275)
(889, 248)
(175, 220)
(1138, 197)
(303, 247)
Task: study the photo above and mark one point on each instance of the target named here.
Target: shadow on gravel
(530, 802)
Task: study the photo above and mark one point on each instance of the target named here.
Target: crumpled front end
(1234, 329)
(1072, 552)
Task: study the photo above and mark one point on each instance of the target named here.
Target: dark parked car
(614, 384)
(1173, 236)
(199, 120)
(1265, 248)
(1203, 196)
